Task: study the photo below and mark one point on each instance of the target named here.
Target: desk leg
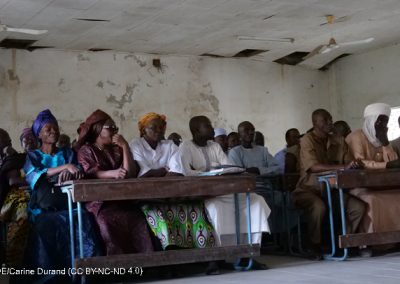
(342, 212)
(79, 207)
(67, 190)
(343, 219)
(250, 264)
(237, 226)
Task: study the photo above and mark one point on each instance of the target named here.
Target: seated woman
(49, 240)
(181, 224)
(13, 213)
(104, 154)
(370, 145)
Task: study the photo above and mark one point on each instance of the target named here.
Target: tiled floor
(283, 269)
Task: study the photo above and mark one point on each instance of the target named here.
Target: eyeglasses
(113, 128)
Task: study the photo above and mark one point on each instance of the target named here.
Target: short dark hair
(243, 123)
(318, 112)
(288, 132)
(195, 121)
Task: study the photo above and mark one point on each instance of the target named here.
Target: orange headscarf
(145, 119)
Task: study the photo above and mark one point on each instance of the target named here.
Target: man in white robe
(200, 155)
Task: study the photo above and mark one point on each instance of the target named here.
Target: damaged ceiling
(212, 27)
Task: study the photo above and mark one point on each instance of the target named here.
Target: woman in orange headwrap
(176, 224)
(103, 153)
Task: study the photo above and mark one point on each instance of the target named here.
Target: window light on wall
(393, 125)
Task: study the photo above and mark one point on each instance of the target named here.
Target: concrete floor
(284, 269)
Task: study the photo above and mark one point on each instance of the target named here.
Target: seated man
(370, 144)
(288, 157)
(233, 140)
(176, 138)
(320, 153)
(396, 142)
(259, 139)
(221, 138)
(199, 155)
(256, 159)
(341, 128)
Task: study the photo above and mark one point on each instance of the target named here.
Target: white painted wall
(367, 78)
(73, 84)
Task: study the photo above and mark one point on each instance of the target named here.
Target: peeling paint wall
(73, 84)
(367, 78)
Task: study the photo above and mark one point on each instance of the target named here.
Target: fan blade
(285, 39)
(363, 41)
(315, 51)
(25, 31)
(328, 49)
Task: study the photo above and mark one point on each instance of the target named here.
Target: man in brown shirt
(319, 152)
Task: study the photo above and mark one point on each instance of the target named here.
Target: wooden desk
(348, 179)
(152, 188)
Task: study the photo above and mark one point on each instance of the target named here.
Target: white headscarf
(371, 114)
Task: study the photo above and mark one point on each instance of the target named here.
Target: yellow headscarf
(145, 119)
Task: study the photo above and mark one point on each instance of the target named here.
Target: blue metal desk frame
(325, 179)
(68, 189)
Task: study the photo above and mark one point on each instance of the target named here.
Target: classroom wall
(367, 78)
(73, 84)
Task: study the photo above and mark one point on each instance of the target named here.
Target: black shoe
(365, 252)
(313, 252)
(212, 268)
(259, 266)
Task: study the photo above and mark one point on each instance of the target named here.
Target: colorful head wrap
(85, 128)
(25, 133)
(144, 120)
(41, 120)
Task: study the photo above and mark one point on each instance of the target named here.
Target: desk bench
(159, 188)
(348, 179)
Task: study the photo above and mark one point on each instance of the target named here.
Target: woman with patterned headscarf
(49, 244)
(180, 224)
(371, 145)
(105, 154)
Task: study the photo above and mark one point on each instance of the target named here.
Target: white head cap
(219, 132)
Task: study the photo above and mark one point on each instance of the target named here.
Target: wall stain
(13, 77)
(100, 84)
(140, 62)
(111, 83)
(81, 57)
(61, 82)
(126, 98)
(62, 87)
(148, 85)
(115, 57)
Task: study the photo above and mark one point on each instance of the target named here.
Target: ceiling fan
(332, 44)
(5, 28)
(255, 38)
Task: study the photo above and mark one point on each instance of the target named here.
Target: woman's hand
(119, 140)
(119, 173)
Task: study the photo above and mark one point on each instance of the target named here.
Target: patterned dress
(183, 225)
(176, 224)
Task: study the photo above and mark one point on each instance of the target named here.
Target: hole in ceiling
(212, 55)
(91, 20)
(292, 58)
(32, 48)
(16, 43)
(269, 17)
(249, 52)
(327, 65)
(98, 49)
